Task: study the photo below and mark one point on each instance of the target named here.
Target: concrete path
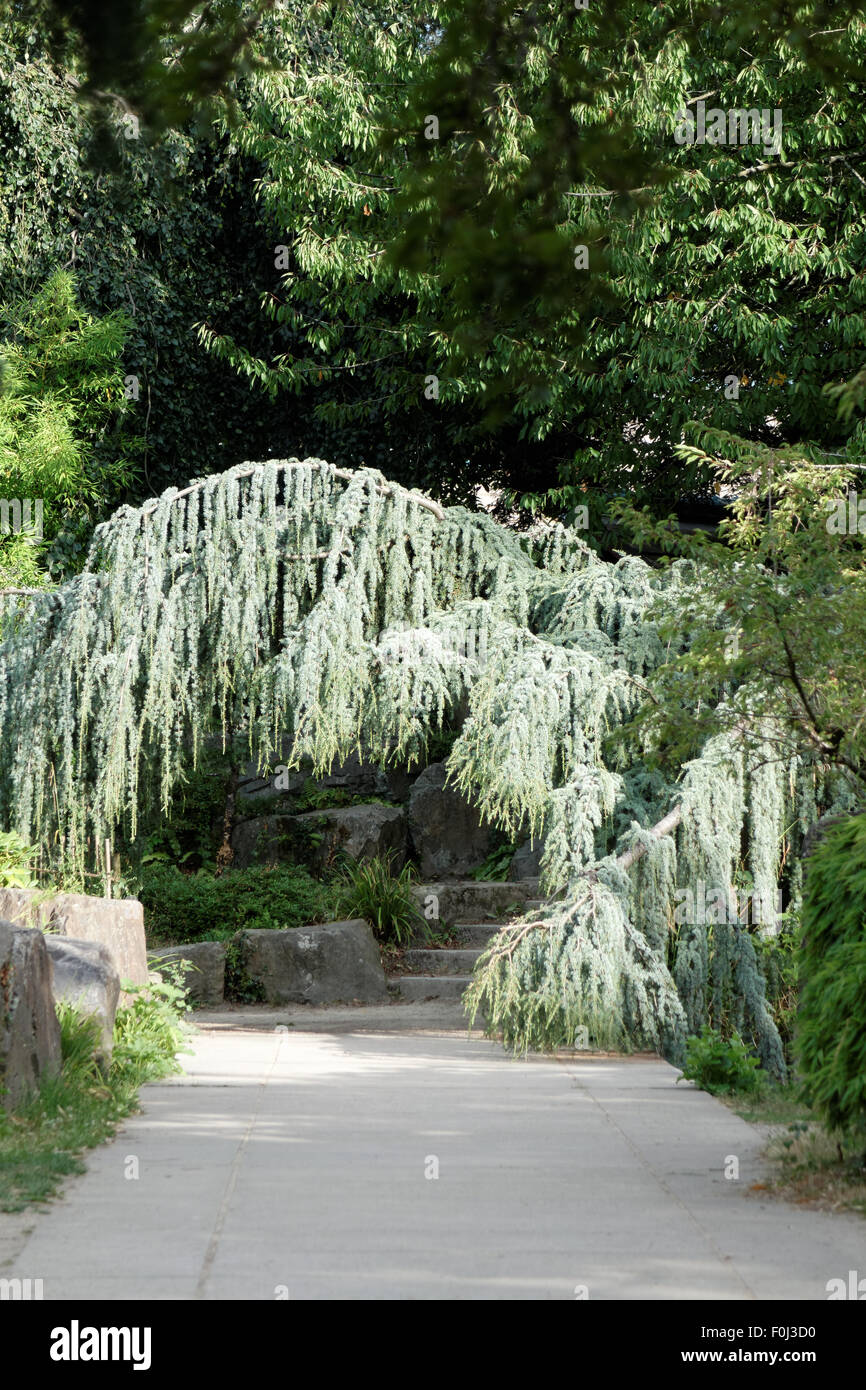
(303, 1164)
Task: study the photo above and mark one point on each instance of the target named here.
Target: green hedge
(831, 1022)
(182, 907)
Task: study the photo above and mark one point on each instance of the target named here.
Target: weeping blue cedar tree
(333, 609)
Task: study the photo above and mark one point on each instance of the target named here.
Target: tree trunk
(225, 853)
(663, 827)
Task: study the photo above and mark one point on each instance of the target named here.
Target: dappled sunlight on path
(390, 1165)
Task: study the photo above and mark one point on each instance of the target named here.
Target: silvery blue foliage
(294, 600)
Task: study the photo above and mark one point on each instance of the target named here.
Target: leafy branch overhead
(435, 176)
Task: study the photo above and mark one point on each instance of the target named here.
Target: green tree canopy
(67, 451)
(441, 275)
(172, 228)
(777, 625)
(161, 62)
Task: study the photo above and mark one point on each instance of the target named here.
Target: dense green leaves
(67, 447)
(831, 1022)
(158, 62)
(777, 625)
(435, 174)
(722, 1066)
(170, 234)
(385, 239)
(182, 907)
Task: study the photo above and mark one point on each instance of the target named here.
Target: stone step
(476, 933)
(442, 960)
(473, 900)
(417, 987)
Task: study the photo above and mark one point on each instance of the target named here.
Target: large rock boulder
(362, 832)
(395, 783)
(117, 923)
(526, 862)
(29, 1031)
(332, 963)
(361, 778)
(263, 840)
(446, 830)
(84, 976)
(355, 776)
(315, 836)
(284, 783)
(206, 977)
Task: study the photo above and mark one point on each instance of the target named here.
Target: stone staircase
(474, 911)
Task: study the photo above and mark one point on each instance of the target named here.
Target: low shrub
(722, 1066)
(182, 907)
(149, 1032)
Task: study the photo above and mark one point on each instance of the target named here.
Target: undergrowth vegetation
(372, 890)
(181, 907)
(722, 1066)
(42, 1139)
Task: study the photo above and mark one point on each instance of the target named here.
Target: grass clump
(370, 889)
(42, 1139)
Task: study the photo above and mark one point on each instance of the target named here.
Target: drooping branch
(664, 827)
(321, 612)
(510, 937)
(386, 489)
